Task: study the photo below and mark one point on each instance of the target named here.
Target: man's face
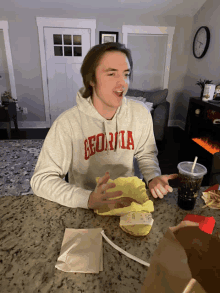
(112, 74)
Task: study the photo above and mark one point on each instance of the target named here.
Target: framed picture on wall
(106, 37)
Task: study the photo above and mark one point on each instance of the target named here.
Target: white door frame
(58, 22)
(4, 27)
(153, 30)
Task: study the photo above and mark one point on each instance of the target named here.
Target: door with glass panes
(65, 50)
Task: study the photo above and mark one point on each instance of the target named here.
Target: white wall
(204, 68)
(184, 71)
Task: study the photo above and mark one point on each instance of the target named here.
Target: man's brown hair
(91, 61)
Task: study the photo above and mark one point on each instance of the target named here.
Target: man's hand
(159, 186)
(99, 197)
(182, 225)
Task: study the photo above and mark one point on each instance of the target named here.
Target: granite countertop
(31, 234)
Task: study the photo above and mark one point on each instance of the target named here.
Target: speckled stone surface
(32, 230)
(31, 234)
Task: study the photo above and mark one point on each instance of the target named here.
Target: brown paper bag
(181, 255)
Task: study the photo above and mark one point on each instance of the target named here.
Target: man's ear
(91, 83)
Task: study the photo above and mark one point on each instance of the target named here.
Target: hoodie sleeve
(52, 166)
(146, 152)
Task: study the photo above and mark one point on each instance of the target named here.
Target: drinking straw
(189, 286)
(193, 166)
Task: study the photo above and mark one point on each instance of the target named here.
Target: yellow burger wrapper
(135, 219)
(132, 187)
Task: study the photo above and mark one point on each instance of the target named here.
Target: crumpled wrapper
(132, 187)
(212, 199)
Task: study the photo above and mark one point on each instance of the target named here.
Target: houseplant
(6, 98)
(202, 85)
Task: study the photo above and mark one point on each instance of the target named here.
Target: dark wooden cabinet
(8, 113)
(201, 125)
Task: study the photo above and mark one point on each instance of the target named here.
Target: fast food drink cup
(189, 184)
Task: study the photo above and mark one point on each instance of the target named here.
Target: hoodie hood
(86, 106)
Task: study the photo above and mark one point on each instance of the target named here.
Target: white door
(65, 50)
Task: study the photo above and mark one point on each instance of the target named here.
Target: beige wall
(204, 68)
(184, 71)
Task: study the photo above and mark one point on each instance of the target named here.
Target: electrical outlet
(25, 110)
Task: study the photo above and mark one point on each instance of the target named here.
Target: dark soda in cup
(189, 184)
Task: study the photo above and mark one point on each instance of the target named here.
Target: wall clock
(201, 42)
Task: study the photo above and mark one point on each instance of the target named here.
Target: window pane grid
(69, 45)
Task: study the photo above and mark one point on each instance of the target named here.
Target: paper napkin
(81, 251)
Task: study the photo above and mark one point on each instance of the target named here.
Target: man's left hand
(159, 186)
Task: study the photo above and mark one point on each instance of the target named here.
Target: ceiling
(154, 7)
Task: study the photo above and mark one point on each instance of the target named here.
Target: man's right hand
(99, 199)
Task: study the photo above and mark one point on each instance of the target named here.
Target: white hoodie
(86, 145)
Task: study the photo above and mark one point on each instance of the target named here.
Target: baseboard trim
(27, 124)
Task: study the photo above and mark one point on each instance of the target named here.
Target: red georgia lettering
(91, 147)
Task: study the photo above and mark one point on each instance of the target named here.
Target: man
(101, 134)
